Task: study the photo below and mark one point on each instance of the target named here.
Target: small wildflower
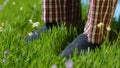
(30, 21)
(54, 66)
(2, 24)
(100, 25)
(7, 1)
(108, 28)
(36, 33)
(88, 50)
(69, 64)
(30, 34)
(35, 24)
(4, 60)
(1, 8)
(1, 29)
(6, 52)
(21, 8)
(14, 3)
(4, 3)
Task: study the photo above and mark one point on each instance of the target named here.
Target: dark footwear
(35, 34)
(80, 43)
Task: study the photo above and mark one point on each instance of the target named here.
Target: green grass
(44, 53)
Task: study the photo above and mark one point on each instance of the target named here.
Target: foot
(80, 43)
(35, 34)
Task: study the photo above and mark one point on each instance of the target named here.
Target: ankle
(51, 24)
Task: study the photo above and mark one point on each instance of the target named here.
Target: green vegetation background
(44, 53)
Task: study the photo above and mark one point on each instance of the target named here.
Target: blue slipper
(80, 43)
(35, 34)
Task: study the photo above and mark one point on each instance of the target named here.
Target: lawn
(15, 16)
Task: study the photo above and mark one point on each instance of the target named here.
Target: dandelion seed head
(69, 64)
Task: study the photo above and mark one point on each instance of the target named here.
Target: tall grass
(43, 53)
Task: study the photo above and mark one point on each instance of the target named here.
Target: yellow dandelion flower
(108, 28)
(100, 25)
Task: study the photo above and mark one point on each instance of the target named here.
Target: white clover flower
(35, 24)
(108, 28)
(14, 3)
(30, 34)
(21, 8)
(100, 24)
(30, 21)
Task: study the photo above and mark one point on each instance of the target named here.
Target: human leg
(54, 12)
(99, 11)
(36, 34)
